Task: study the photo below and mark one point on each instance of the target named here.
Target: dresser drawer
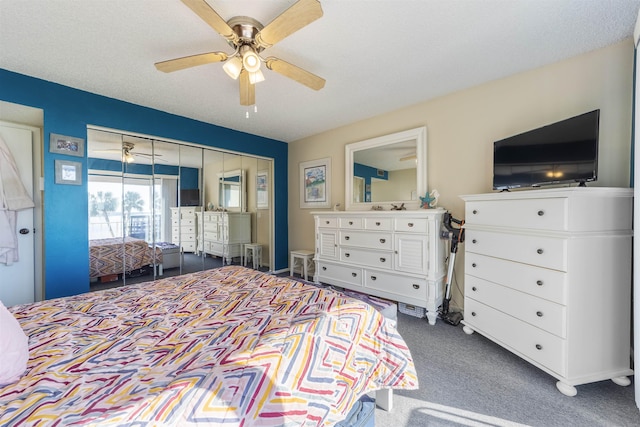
(183, 232)
(210, 235)
(188, 246)
(539, 346)
(328, 222)
(183, 222)
(544, 314)
(548, 252)
(540, 214)
(211, 217)
(399, 285)
(415, 225)
(339, 273)
(355, 222)
(540, 282)
(367, 239)
(367, 257)
(381, 224)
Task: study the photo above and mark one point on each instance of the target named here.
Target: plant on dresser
(548, 277)
(391, 254)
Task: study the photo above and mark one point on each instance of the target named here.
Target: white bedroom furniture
(224, 233)
(184, 227)
(548, 277)
(252, 251)
(396, 255)
(306, 262)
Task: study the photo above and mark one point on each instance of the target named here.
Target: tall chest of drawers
(548, 277)
(391, 254)
(223, 234)
(184, 227)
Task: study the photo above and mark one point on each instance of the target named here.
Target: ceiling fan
(249, 38)
(128, 153)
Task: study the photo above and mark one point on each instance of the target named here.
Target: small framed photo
(68, 172)
(66, 145)
(262, 188)
(315, 183)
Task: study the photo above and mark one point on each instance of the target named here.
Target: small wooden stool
(307, 261)
(255, 250)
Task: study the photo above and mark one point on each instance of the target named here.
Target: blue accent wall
(68, 111)
(368, 172)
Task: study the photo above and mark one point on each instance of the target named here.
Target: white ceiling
(376, 55)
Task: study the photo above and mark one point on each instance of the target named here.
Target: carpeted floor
(467, 380)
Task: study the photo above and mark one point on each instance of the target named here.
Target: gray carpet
(467, 380)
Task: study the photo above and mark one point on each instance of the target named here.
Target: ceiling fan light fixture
(250, 59)
(233, 67)
(256, 77)
(127, 157)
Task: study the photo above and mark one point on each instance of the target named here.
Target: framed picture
(315, 183)
(68, 172)
(66, 145)
(262, 188)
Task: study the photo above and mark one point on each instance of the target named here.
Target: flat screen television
(190, 197)
(559, 153)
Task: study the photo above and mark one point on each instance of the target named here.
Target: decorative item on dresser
(184, 228)
(391, 254)
(224, 233)
(548, 277)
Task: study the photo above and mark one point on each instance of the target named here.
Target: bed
(230, 346)
(108, 256)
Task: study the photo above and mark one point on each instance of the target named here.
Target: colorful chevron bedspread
(229, 347)
(113, 256)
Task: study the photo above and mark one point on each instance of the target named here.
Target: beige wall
(462, 127)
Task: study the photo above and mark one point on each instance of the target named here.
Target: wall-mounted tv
(190, 197)
(562, 152)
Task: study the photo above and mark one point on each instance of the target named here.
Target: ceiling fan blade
(296, 73)
(288, 22)
(247, 90)
(190, 61)
(211, 17)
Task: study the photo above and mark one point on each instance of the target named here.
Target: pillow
(14, 348)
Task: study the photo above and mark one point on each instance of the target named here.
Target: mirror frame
(420, 135)
(243, 189)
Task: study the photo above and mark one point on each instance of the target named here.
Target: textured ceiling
(376, 56)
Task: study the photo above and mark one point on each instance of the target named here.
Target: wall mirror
(231, 190)
(387, 170)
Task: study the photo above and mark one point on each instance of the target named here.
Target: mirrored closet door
(161, 208)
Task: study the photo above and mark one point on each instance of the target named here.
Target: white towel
(13, 197)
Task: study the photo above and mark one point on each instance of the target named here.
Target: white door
(17, 281)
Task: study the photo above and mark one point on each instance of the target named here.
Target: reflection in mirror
(264, 209)
(388, 170)
(231, 190)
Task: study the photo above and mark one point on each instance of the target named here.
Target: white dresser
(224, 233)
(548, 277)
(391, 254)
(184, 227)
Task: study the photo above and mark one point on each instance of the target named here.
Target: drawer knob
(539, 313)
(383, 240)
(326, 222)
(539, 283)
(324, 268)
(474, 289)
(347, 255)
(475, 212)
(350, 222)
(473, 265)
(383, 259)
(374, 278)
(410, 224)
(539, 347)
(354, 274)
(378, 223)
(346, 237)
(416, 286)
(473, 313)
(474, 241)
(540, 251)
(540, 213)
